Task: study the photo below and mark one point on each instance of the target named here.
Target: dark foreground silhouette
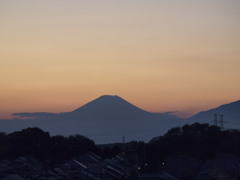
(194, 151)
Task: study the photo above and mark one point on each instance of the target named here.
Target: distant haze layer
(160, 55)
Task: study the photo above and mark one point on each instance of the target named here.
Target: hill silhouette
(230, 112)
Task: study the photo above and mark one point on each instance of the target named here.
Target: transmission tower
(215, 122)
(123, 139)
(221, 122)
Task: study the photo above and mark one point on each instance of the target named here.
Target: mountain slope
(230, 112)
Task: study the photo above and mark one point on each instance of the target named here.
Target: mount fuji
(106, 119)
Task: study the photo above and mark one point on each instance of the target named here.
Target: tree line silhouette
(39, 144)
(200, 141)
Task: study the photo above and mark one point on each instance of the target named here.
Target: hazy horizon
(177, 113)
(159, 55)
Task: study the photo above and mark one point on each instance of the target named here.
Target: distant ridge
(34, 114)
(230, 112)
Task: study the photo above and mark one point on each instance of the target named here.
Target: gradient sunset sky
(161, 55)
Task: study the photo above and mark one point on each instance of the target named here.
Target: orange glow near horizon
(161, 56)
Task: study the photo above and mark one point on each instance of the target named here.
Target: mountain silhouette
(110, 107)
(108, 118)
(230, 112)
(105, 119)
